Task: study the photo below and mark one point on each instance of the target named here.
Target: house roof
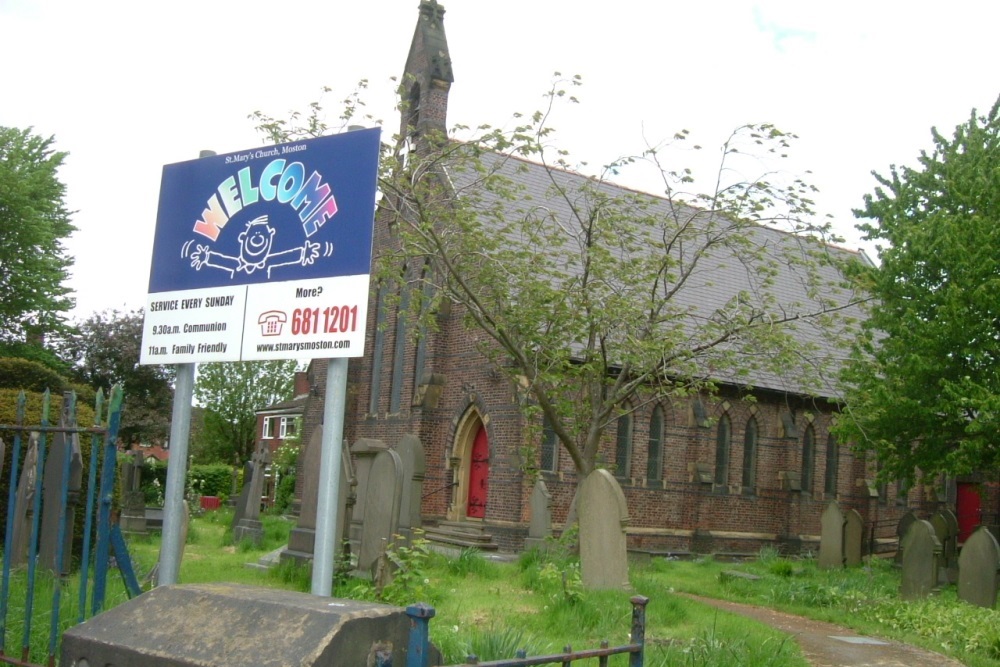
(723, 267)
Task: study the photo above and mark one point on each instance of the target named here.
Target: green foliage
(714, 649)
(29, 375)
(469, 561)
(34, 224)
(232, 393)
(500, 643)
(213, 479)
(410, 576)
(924, 392)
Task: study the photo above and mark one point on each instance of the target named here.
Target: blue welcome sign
(264, 253)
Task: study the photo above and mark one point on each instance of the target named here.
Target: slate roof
(720, 274)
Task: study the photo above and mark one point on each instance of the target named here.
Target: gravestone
(248, 526)
(219, 625)
(302, 539)
(921, 553)
(133, 516)
(363, 452)
(831, 541)
(603, 516)
(977, 569)
(902, 527)
(854, 530)
(411, 456)
(24, 505)
(946, 531)
(383, 498)
(241, 501)
(55, 483)
(540, 524)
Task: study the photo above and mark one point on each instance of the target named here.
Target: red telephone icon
(271, 321)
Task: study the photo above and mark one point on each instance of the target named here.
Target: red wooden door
(969, 511)
(479, 474)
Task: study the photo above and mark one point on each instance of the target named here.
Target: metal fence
(44, 508)
(418, 651)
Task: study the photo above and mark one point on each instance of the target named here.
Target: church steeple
(427, 76)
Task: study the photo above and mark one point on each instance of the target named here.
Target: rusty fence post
(639, 603)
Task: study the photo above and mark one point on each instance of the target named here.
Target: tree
(34, 223)
(611, 315)
(105, 352)
(925, 387)
(231, 394)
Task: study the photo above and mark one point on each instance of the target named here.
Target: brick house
(282, 420)
(727, 472)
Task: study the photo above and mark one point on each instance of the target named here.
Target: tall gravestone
(831, 542)
(603, 515)
(133, 516)
(363, 452)
(302, 539)
(946, 531)
(902, 527)
(24, 505)
(383, 498)
(63, 476)
(978, 565)
(540, 524)
(411, 456)
(241, 503)
(248, 525)
(854, 529)
(921, 553)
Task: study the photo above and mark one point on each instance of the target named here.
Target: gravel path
(828, 645)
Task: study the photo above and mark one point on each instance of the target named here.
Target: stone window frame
(751, 440)
(723, 448)
(623, 445)
(808, 458)
(399, 346)
(832, 474)
(654, 452)
(549, 449)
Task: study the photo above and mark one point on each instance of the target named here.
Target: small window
(750, 454)
(550, 448)
(808, 458)
(289, 427)
(723, 441)
(654, 457)
(623, 448)
(832, 464)
(268, 428)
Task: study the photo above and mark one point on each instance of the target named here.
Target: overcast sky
(127, 87)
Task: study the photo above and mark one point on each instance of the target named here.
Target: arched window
(623, 447)
(808, 458)
(832, 463)
(723, 441)
(654, 455)
(750, 454)
(399, 351)
(377, 354)
(550, 448)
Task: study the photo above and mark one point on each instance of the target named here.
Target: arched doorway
(471, 457)
(479, 476)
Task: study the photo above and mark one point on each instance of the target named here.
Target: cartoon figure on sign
(255, 252)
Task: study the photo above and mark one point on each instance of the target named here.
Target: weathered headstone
(133, 517)
(978, 565)
(24, 505)
(249, 527)
(540, 524)
(921, 551)
(854, 530)
(302, 539)
(241, 501)
(363, 452)
(55, 485)
(383, 498)
(902, 527)
(831, 541)
(411, 456)
(946, 531)
(603, 519)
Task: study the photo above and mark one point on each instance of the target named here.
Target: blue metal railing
(419, 647)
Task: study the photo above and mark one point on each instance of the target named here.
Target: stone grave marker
(411, 456)
(921, 553)
(854, 530)
(831, 541)
(302, 539)
(904, 525)
(24, 505)
(249, 527)
(947, 534)
(540, 524)
(241, 501)
(363, 452)
(64, 446)
(133, 516)
(603, 515)
(977, 569)
(383, 498)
